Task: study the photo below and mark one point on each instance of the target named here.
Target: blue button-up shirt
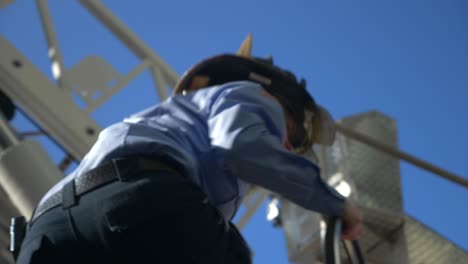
(225, 137)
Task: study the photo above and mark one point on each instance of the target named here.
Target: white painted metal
(95, 81)
(26, 173)
(7, 134)
(252, 202)
(160, 82)
(53, 47)
(4, 3)
(90, 78)
(427, 246)
(52, 108)
(117, 86)
(131, 40)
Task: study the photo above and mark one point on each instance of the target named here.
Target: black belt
(117, 169)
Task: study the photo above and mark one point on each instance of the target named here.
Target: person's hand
(352, 222)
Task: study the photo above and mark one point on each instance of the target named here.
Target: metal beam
(23, 185)
(130, 39)
(4, 3)
(26, 173)
(53, 47)
(402, 155)
(52, 108)
(160, 83)
(252, 202)
(7, 134)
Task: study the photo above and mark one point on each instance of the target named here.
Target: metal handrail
(330, 237)
(363, 138)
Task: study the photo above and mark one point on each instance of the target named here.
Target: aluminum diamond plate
(374, 178)
(425, 246)
(376, 175)
(376, 188)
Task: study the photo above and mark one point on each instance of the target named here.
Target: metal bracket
(90, 78)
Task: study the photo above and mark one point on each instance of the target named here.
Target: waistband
(117, 169)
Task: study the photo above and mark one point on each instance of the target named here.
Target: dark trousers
(153, 217)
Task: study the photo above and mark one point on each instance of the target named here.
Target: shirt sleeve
(248, 129)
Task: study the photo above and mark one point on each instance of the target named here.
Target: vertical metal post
(160, 83)
(8, 136)
(52, 43)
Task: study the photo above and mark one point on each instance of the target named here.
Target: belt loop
(115, 163)
(68, 195)
(126, 168)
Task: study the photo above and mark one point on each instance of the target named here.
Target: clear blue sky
(407, 59)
